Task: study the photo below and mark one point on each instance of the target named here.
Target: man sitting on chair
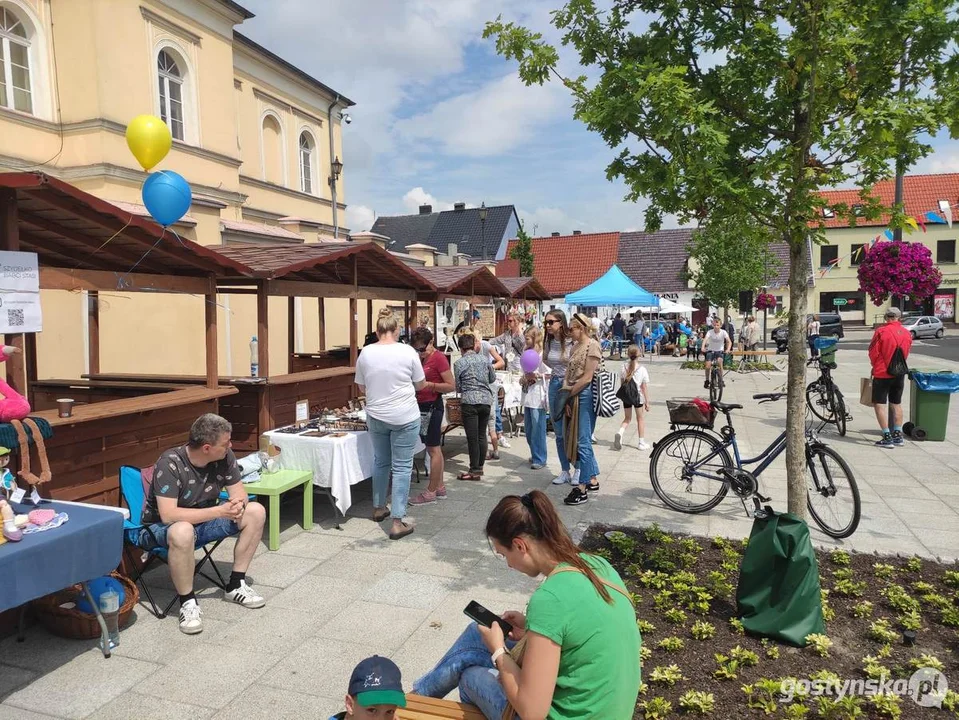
(182, 513)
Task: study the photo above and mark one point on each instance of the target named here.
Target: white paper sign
(18, 495)
(35, 496)
(302, 411)
(19, 293)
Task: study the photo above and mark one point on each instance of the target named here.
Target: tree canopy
(523, 251)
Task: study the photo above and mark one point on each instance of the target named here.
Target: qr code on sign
(15, 317)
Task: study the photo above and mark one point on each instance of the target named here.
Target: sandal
(380, 517)
(469, 476)
(407, 530)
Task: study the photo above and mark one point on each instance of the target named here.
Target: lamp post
(483, 212)
(336, 167)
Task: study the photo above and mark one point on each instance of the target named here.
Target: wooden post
(10, 240)
(369, 316)
(263, 330)
(406, 316)
(291, 329)
(322, 314)
(414, 309)
(212, 350)
(93, 330)
(354, 351)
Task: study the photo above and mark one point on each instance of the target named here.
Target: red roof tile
(567, 263)
(922, 194)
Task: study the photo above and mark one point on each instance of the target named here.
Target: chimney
(425, 253)
(426, 209)
(554, 234)
(452, 249)
(459, 207)
(371, 237)
(577, 232)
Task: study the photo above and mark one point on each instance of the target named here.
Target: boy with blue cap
(376, 690)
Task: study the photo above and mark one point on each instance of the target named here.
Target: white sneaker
(643, 445)
(245, 596)
(562, 478)
(618, 440)
(504, 441)
(190, 621)
(575, 477)
(592, 439)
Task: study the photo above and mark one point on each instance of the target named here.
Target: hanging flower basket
(765, 301)
(898, 268)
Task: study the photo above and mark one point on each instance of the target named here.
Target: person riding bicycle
(716, 344)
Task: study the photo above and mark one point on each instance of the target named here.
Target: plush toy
(13, 406)
(7, 482)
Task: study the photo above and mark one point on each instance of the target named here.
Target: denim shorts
(712, 355)
(154, 536)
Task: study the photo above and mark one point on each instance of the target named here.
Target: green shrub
(873, 669)
(911, 620)
(697, 703)
(884, 571)
(656, 708)
(819, 643)
(667, 675)
(929, 661)
(671, 644)
(914, 565)
(645, 627)
(839, 557)
(703, 630)
(736, 625)
(795, 711)
(881, 631)
(849, 588)
(898, 599)
(623, 543)
(951, 578)
(746, 658)
(845, 708)
(862, 609)
(886, 705)
(675, 616)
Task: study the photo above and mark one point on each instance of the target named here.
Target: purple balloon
(529, 361)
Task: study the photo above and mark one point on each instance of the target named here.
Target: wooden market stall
(528, 296)
(473, 284)
(355, 271)
(84, 244)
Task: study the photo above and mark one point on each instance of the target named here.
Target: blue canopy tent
(613, 288)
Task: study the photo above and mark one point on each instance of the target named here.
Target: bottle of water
(254, 358)
(110, 609)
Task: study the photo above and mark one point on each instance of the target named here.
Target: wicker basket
(76, 624)
(683, 411)
(454, 411)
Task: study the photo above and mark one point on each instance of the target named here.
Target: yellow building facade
(253, 135)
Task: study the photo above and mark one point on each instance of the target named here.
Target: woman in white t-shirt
(812, 332)
(534, 402)
(634, 392)
(389, 373)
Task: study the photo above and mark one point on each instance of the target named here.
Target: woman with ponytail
(389, 373)
(634, 393)
(574, 655)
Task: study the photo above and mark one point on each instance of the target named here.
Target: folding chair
(132, 490)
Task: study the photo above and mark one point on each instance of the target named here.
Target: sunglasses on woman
(550, 322)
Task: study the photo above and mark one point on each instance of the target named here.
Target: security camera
(345, 117)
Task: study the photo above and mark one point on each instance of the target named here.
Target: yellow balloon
(149, 139)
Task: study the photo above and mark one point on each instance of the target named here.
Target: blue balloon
(167, 196)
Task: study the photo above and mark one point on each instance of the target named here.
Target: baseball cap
(377, 681)
(893, 312)
(4, 451)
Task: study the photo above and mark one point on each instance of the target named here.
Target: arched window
(170, 76)
(307, 147)
(272, 150)
(16, 91)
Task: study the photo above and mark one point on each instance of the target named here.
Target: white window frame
(35, 42)
(269, 112)
(188, 97)
(311, 176)
(166, 80)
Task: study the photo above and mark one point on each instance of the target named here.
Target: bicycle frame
(762, 461)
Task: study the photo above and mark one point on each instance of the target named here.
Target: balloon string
(122, 280)
(108, 241)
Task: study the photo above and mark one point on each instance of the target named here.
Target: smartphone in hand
(486, 617)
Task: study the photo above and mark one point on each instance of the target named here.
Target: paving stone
(319, 594)
(384, 625)
(143, 707)
(272, 629)
(160, 641)
(8, 712)
(314, 546)
(12, 678)
(320, 666)
(406, 589)
(279, 570)
(444, 562)
(262, 702)
(363, 568)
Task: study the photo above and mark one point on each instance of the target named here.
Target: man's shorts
(888, 390)
(154, 536)
(714, 355)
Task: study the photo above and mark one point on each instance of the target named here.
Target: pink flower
(892, 268)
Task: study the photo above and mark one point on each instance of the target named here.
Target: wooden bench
(274, 485)
(425, 708)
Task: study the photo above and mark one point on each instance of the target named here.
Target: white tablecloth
(336, 462)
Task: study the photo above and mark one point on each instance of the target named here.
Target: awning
(613, 288)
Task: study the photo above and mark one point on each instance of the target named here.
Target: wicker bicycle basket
(683, 411)
(69, 622)
(454, 412)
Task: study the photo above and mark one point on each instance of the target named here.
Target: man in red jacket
(887, 388)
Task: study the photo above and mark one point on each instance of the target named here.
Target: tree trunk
(796, 375)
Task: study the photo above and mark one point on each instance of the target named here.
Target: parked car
(830, 325)
(924, 326)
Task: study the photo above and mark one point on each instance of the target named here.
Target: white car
(924, 326)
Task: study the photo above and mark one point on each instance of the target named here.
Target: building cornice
(170, 26)
(265, 96)
(288, 191)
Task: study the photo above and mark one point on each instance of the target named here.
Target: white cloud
(546, 220)
(418, 196)
(489, 121)
(359, 218)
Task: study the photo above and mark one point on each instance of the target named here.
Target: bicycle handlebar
(768, 397)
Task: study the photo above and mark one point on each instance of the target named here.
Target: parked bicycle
(691, 469)
(823, 396)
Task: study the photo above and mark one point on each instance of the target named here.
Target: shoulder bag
(605, 402)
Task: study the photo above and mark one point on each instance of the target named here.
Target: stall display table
(85, 547)
(337, 463)
(274, 485)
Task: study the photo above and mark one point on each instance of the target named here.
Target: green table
(274, 485)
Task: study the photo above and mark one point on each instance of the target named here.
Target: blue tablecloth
(87, 546)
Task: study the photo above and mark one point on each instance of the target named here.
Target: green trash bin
(929, 409)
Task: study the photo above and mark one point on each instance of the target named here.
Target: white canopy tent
(666, 307)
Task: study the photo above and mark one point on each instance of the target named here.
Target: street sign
(839, 302)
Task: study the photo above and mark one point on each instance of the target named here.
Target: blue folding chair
(131, 488)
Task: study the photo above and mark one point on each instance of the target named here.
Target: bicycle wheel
(685, 470)
(819, 401)
(839, 404)
(831, 492)
(715, 383)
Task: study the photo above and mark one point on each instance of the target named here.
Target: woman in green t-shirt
(580, 644)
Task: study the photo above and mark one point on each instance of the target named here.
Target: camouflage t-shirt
(174, 476)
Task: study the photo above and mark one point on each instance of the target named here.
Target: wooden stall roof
(73, 230)
(526, 287)
(463, 280)
(324, 263)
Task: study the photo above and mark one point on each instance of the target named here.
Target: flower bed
(701, 365)
(697, 661)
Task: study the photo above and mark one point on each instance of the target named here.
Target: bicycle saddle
(726, 407)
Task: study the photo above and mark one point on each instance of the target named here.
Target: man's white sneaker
(618, 440)
(562, 478)
(643, 445)
(244, 595)
(504, 442)
(575, 477)
(190, 621)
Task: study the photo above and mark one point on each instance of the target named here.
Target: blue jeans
(468, 666)
(534, 421)
(393, 447)
(499, 418)
(588, 468)
(154, 536)
(618, 342)
(555, 384)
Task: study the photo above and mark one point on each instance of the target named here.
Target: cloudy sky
(440, 118)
